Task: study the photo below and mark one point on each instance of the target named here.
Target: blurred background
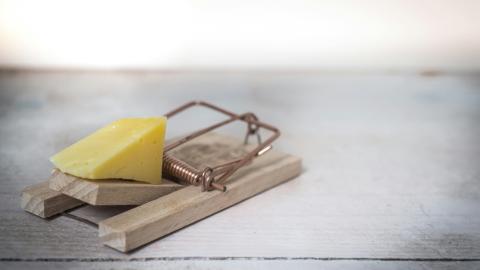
(241, 35)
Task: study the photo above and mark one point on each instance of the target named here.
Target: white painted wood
(242, 264)
(390, 163)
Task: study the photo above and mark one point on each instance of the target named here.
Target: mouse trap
(204, 172)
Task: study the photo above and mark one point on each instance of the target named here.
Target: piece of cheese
(130, 148)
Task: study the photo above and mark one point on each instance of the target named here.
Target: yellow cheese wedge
(130, 148)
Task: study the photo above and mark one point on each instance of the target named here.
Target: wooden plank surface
(40, 200)
(390, 175)
(241, 264)
(109, 192)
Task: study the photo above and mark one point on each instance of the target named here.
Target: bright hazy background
(209, 34)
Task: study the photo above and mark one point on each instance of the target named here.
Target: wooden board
(109, 192)
(391, 178)
(40, 200)
(167, 214)
(278, 263)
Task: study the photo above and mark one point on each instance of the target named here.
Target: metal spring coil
(181, 170)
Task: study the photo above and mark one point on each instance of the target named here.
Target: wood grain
(109, 192)
(239, 264)
(391, 168)
(40, 200)
(167, 214)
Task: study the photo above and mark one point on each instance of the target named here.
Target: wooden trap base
(109, 192)
(167, 207)
(40, 200)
